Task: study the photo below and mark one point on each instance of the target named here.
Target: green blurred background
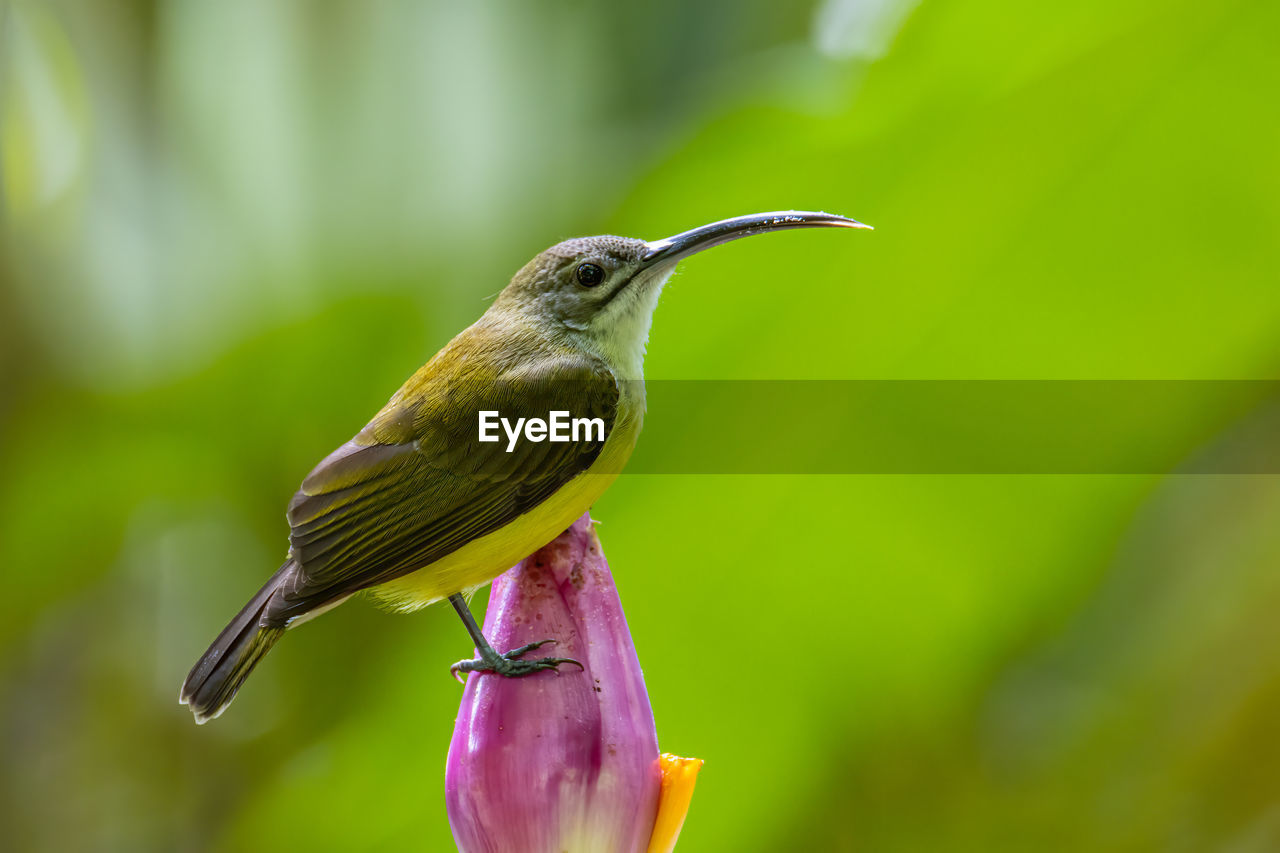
(230, 230)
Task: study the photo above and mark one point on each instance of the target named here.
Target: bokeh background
(230, 230)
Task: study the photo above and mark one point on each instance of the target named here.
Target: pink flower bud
(568, 760)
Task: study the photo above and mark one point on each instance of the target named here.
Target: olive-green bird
(417, 508)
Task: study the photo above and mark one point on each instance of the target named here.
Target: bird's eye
(589, 275)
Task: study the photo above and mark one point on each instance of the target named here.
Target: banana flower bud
(568, 760)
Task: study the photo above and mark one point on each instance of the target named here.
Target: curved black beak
(683, 245)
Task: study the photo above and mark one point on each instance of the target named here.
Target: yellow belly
(481, 560)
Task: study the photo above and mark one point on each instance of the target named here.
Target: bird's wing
(417, 484)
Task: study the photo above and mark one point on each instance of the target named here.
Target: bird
(416, 508)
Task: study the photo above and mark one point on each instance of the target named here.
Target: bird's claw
(510, 665)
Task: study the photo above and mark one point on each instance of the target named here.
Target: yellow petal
(679, 775)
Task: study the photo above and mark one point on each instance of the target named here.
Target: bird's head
(601, 291)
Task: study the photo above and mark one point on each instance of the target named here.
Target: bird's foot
(510, 665)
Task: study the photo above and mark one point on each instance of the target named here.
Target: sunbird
(417, 508)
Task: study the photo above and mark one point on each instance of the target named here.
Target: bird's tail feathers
(214, 680)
